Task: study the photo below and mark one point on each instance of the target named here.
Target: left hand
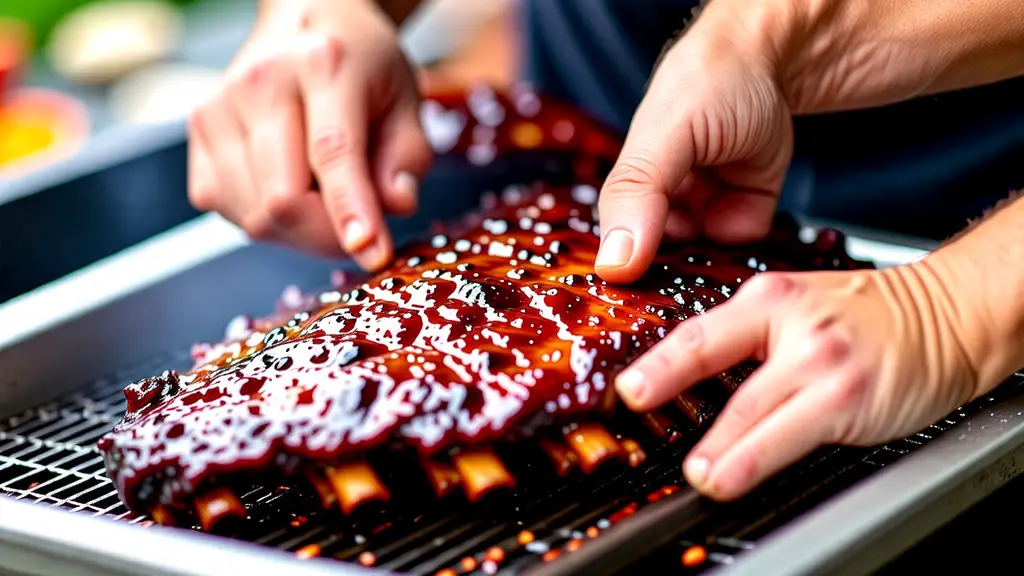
(854, 358)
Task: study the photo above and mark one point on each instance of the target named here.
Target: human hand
(706, 151)
(320, 90)
(854, 358)
(712, 137)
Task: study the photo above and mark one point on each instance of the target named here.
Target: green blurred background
(42, 15)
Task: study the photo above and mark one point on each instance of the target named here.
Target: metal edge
(861, 529)
(873, 235)
(883, 253)
(53, 538)
(115, 276)
(640, 533)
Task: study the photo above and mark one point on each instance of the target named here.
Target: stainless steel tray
(170, 291)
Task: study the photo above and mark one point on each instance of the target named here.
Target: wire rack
(48, 455)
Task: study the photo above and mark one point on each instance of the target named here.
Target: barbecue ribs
(491, 332)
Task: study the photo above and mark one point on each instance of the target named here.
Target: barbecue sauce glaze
(487, 331)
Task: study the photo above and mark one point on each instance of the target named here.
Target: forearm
(843, 54)
(982, 279)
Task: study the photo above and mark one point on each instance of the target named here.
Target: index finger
(633, 205)
(337, 117)
(704, 346)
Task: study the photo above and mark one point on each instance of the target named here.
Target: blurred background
(75, 69)
(93, 94)
(92, 143)
(93, 97)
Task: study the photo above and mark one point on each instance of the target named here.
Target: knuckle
(198, 119)
(742, 407)
(637, 173)
(769, 286)
(422, 154)
(203, 195)
(849, 388)
(281, 208)
(321, 54)
(742, 472)
(330, 147)
(689, 333)
(194, 121)
(660, 360)
(825, 346)
(262, 71)
(257, 227)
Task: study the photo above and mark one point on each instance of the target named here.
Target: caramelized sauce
(483, 332)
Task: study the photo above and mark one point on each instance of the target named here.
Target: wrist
(841, 55)
(813, 49)
(983, 306)
(847, 55)
(763, 31)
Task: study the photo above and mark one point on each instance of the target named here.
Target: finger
(269, 104)
(337, 120)
(743, 207)
(697, 349)
(222, 134)
(792, 431)
(740, 216)
(706, 345)
(687, 203)
(633, 205)
(402, 157)
(703, 346)
(680, 225)
(202, 175)
(311, 228)
(769, 387)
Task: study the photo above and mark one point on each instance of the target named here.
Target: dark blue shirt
(921, 167)
(599, 53)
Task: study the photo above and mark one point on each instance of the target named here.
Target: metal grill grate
(734, 531)
(48, 455)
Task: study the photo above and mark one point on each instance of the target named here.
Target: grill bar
(585, 525)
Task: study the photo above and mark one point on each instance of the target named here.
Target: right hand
(320, 90)
(706, 152)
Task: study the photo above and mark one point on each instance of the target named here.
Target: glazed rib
(490, 332)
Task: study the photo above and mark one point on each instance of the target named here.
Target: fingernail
(616, 249)
(357, 235)
(406, 184)
(405, 189)
(631, 384)
(374, 257)
(696, 471)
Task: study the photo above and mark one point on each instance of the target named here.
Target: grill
(48, 456)
(183, 286)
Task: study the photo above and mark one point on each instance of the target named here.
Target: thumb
(634, 202)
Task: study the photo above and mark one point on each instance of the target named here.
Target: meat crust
(492, 330)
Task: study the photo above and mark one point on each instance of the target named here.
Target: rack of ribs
(494, 330)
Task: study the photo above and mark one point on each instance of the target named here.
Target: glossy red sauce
(485, 333)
